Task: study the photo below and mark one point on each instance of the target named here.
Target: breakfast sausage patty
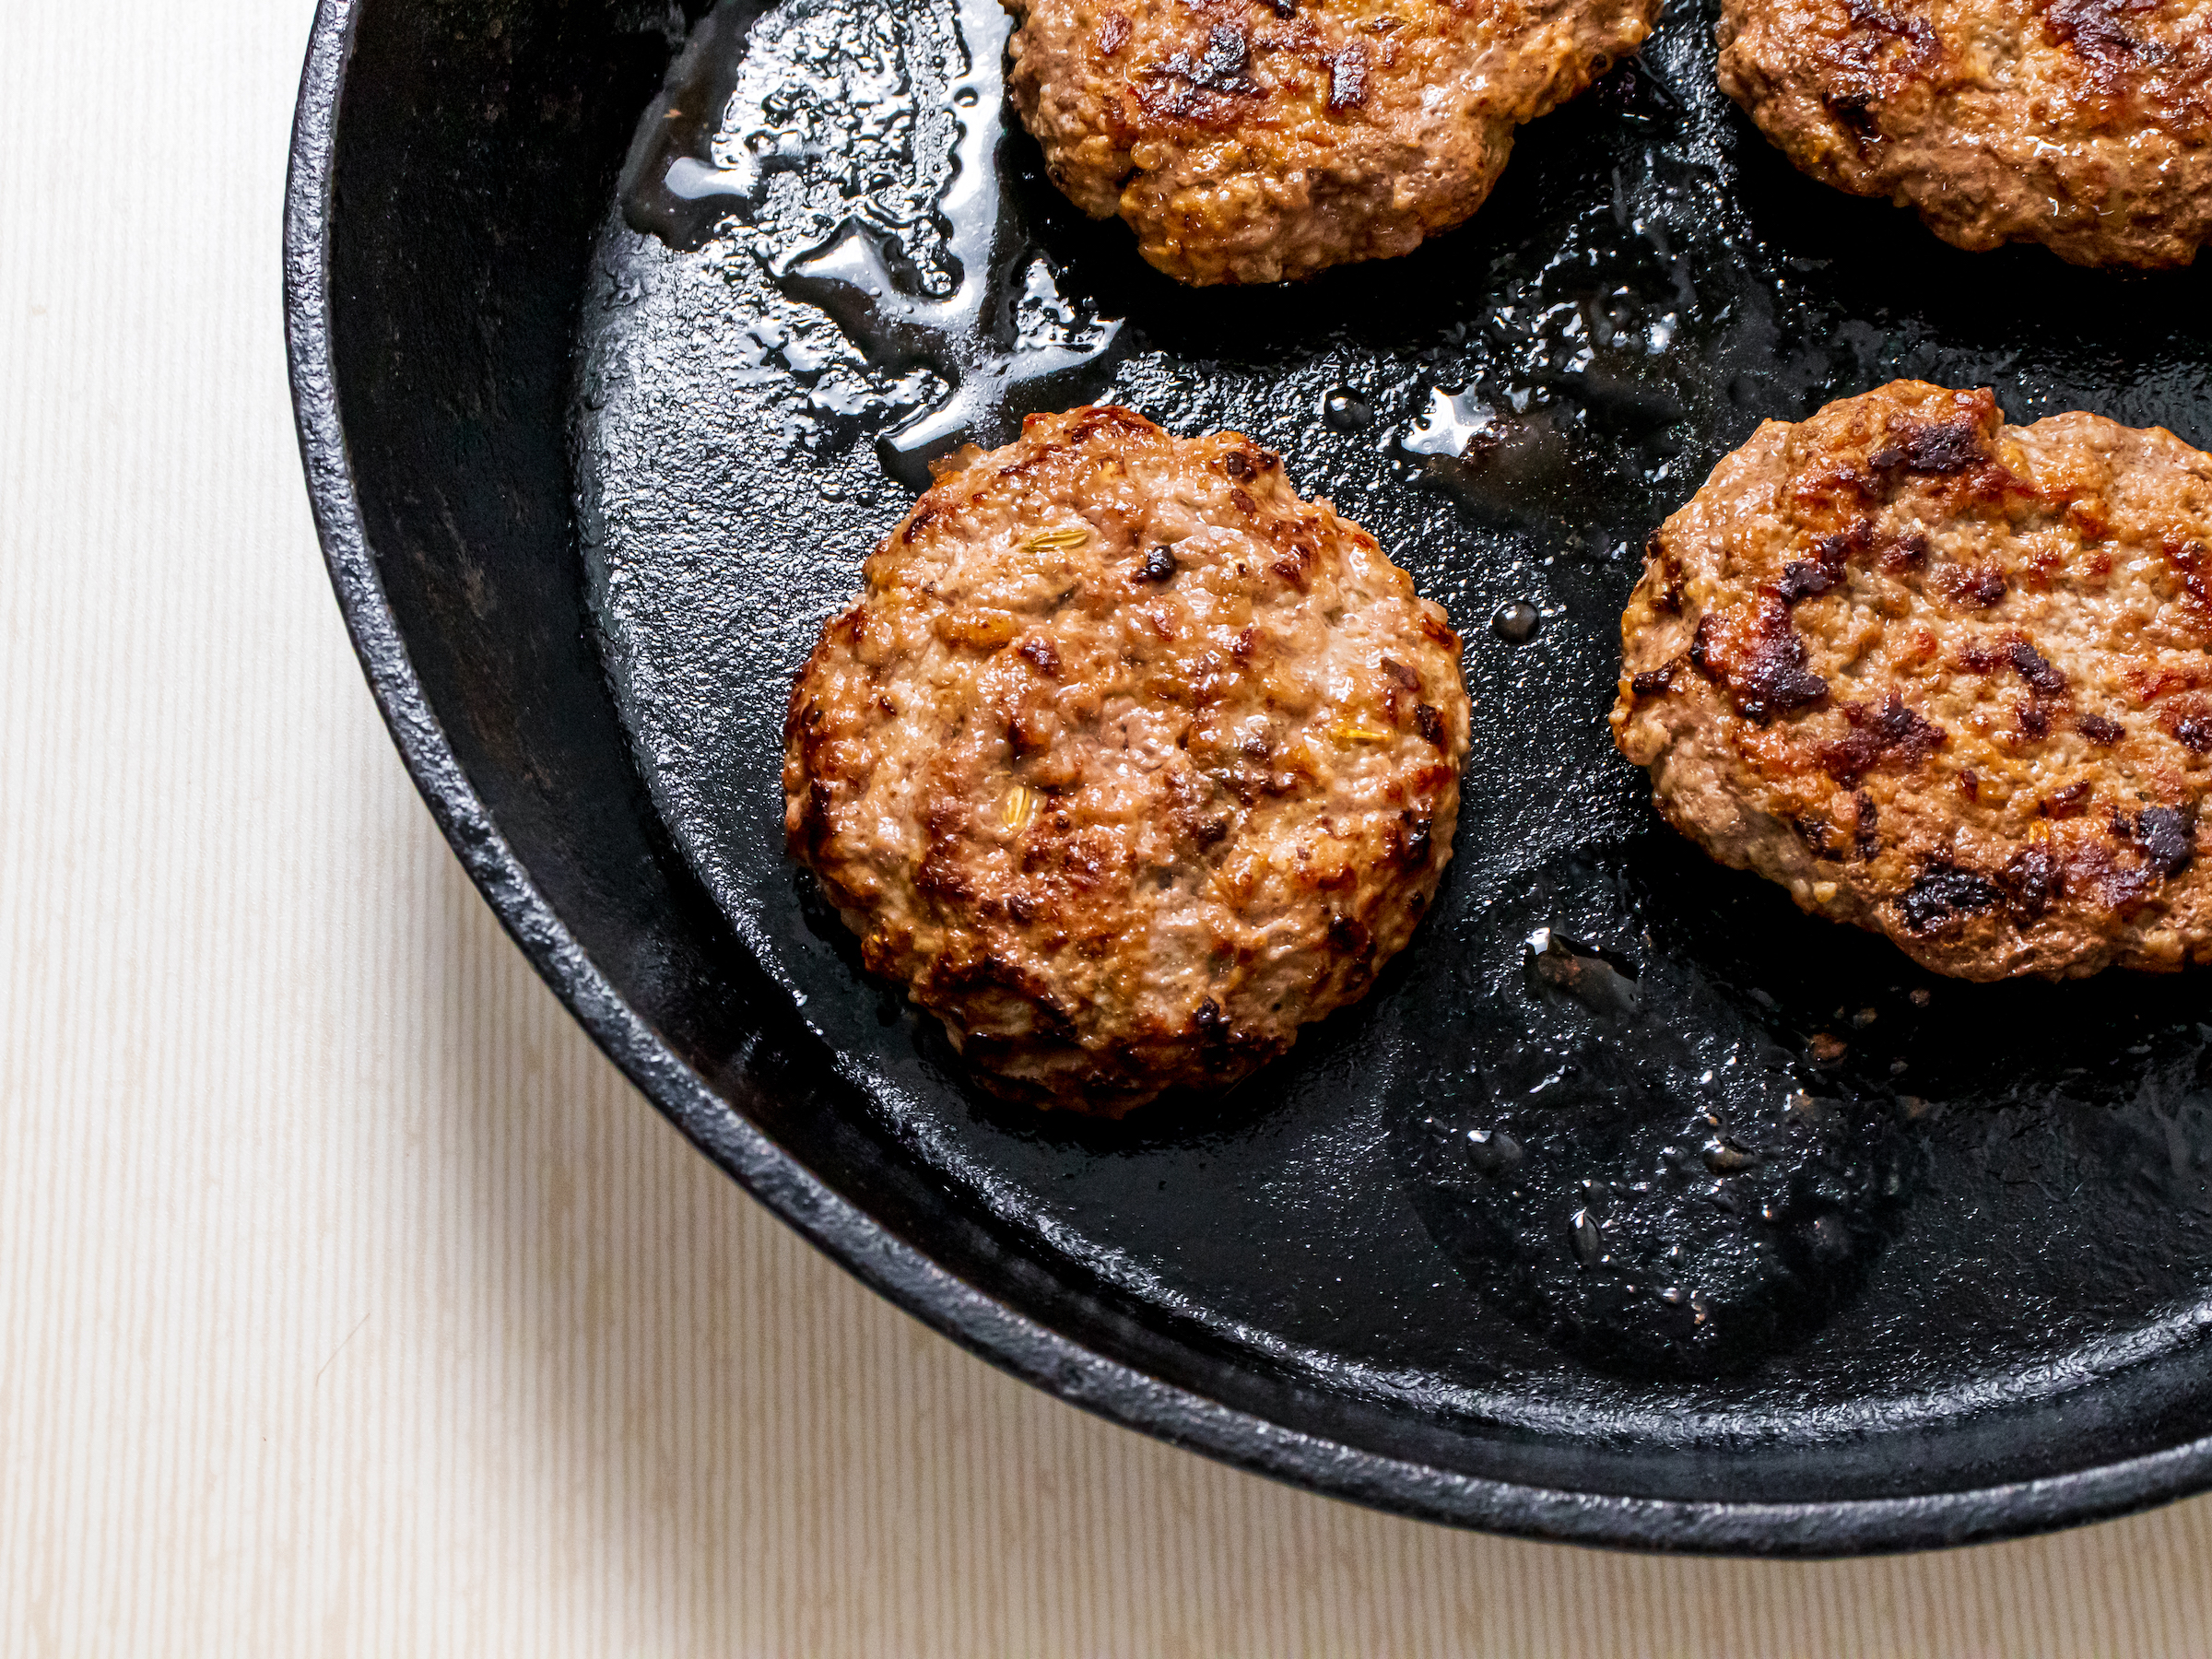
(1264, 140)
(2079, 123)
(1942, 677)
(1127, 761)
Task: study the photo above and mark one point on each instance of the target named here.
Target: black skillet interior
(1629, 1181)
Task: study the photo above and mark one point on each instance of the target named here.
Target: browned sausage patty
(1944, 678)
(1264, 140)
(1128, 762)
(2079, 123)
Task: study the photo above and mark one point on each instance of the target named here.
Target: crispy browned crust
(1944, 678)
(1127, 761)
(1264, 140)
(2082, 124)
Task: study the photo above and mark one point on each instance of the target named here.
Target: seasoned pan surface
(1633, 1206)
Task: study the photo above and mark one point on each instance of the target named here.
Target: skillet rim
(904, 1274)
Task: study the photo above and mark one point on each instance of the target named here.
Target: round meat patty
(1127, 761)
(1264, 140)
(1942, 677)
(2082, 124)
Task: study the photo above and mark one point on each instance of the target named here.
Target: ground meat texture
(2083, 124)
(1265, 140)
(1127, 761)
(2003, 786)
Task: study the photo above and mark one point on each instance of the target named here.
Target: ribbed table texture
(351, 1303)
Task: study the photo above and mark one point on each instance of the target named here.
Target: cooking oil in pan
(921, 267)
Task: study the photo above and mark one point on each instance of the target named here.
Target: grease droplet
(1492, 1152)
(1516, 623)
(1343, 410)
(1589, 1239)
(1583, 974)
(1725, 1157)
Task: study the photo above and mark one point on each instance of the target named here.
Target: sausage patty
(1264, 140)
(1942, 677)
(2079, 123)
(1127, 761)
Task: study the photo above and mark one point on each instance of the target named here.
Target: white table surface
(351, 1302)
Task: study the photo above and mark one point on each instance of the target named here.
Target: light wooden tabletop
(350, 1302)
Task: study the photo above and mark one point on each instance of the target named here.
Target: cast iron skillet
(1634, 1208)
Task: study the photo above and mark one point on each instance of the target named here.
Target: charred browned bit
(2031, 882)
(1944, 892)
(2065, 802)
(2038, 674)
